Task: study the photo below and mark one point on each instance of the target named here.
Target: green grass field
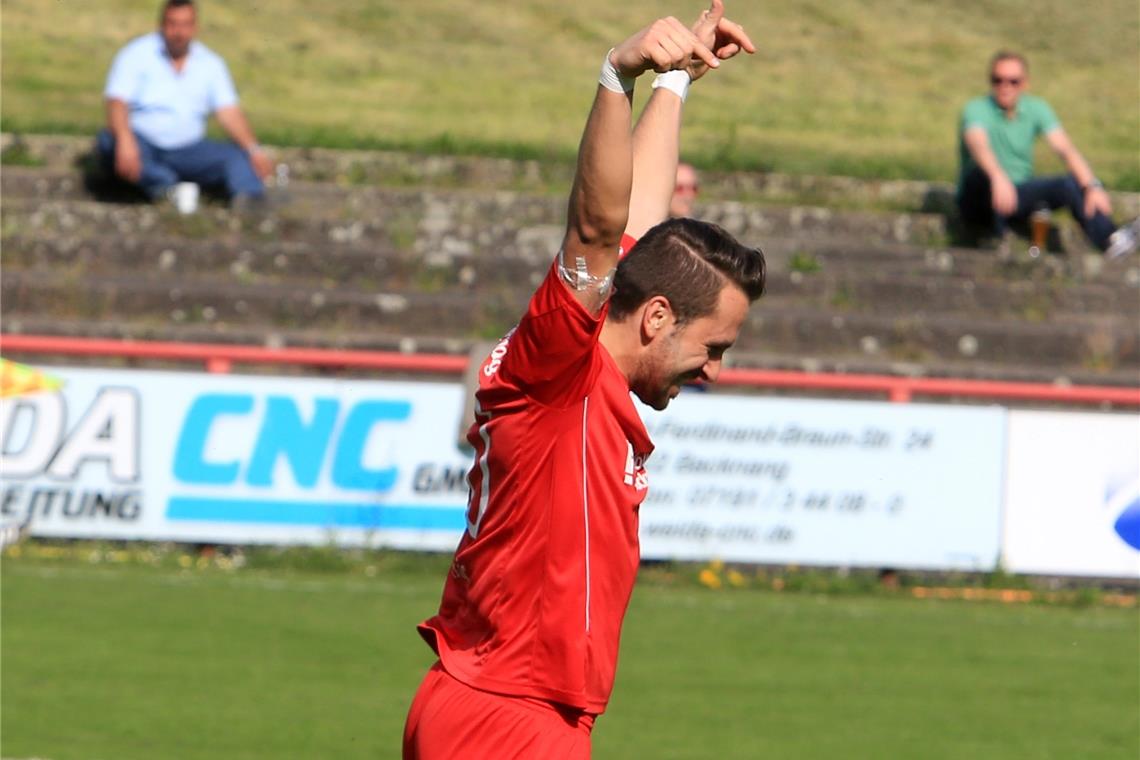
(869, 88)
(129, 661)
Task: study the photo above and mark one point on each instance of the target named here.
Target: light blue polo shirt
(169, 108)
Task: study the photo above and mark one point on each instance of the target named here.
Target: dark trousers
(976, 206)
(219, 166)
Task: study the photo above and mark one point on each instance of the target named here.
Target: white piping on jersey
(485, 485)
(586, 506)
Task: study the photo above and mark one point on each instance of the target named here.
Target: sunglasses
(683, 187)
(1014, 81)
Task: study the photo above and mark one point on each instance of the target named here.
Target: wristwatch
(1095, 183)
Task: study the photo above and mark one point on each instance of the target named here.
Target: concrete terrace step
(137, 299)
(446, 219)
(1093, 342)
(921, 338)
(409, 169)
(879, 288)
(457, 219)
(50, 235)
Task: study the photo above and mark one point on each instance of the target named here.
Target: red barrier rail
(220, 358)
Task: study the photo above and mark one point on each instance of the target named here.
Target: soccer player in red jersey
(527, 631)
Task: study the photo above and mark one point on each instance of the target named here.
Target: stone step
(456, 218)
(878, 289)
(780, 324)
(393, 168)
(208, 301)
(921, 338)
(51, 236)
(449, 217)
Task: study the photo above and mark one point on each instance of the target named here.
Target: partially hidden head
(684, 292)
(1009, 76)
(684, 191)
(178, 23)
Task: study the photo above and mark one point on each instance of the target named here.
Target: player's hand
(1003, 196)
(725, 38)
(664, 45)
(128, 164)
(1096, 199)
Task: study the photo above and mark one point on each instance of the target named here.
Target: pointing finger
(736, 33)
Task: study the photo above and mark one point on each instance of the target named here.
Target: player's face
(692, 352)
(1007, 80)
(179, 24)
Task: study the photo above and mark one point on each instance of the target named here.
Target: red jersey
(534, 601)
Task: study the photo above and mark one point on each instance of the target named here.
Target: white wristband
(676, 81)
(611, 79)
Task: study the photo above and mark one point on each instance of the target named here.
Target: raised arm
(656, 138)
(599, 200)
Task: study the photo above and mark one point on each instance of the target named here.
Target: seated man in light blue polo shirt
(161, 89)
(996, 185)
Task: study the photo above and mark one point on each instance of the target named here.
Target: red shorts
(449, 719)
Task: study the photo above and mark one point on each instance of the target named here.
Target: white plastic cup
(186, 197)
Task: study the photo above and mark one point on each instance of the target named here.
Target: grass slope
(140, 662)
(862, 87)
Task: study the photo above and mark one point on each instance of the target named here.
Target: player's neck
(621, 341)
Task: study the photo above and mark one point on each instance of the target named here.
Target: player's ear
(656, 317)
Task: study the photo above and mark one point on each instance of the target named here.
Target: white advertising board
(1072, 503)
(253, 459)
(825, 482)
(210, 458)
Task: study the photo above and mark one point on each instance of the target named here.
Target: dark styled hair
(1008, 55)
(168, 4)
(688, 262)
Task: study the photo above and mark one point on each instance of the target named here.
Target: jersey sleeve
(973, 115)
(552, 353)
(222, 91)
(627, 244)
(1046, 120)
(123, 76)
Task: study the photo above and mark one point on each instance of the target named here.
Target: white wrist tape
(676, 81)
(580, 279)
(611, 79)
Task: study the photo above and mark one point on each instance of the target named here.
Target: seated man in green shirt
(996, 184)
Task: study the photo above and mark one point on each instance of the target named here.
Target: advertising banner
(825, 482)
(210, 458)
(253, 459)
(1072, 502)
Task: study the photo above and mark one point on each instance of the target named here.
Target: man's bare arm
(128, 163)
(599, 200)
(656, 142)
(1004, 194)
(1096, 199)
(236, 125)
(656, 138)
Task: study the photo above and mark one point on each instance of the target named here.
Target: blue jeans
(976, 206)
(214, 165)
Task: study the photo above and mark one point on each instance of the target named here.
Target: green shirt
(1010, 139)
